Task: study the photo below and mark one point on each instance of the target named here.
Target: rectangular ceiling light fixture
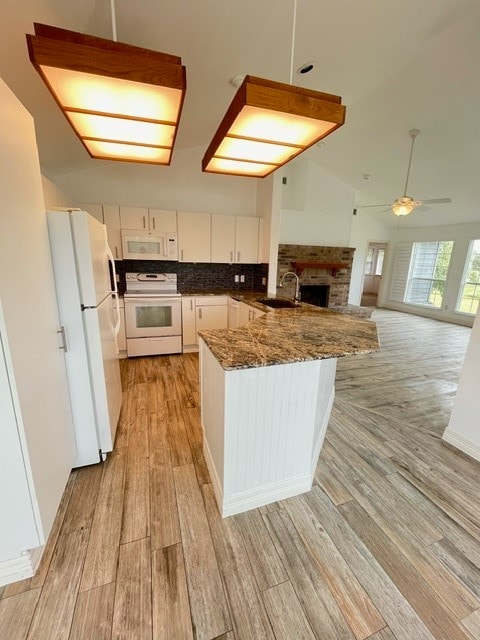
(269, 123)
(123, 102)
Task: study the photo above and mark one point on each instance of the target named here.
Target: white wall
(30, 314)
(53, 196)
(326, 219)
(365, 228)
(268, 208)
(461, 234)
(181, 186)
(463, 430)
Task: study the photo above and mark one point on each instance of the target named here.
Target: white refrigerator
(90, 322)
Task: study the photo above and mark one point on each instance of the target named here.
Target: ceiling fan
(405, 205)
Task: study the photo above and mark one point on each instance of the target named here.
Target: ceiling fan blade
(384, 210)
(368, 206)
(436, 201)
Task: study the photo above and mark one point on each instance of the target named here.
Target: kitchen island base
(263, 428)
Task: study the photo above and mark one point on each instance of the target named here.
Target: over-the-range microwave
(149, 246)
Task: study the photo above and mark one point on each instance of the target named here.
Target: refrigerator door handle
(63, 346)
(115, 290)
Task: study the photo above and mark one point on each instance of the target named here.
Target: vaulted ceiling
(397, 66)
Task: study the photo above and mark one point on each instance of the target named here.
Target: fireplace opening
(316, 294)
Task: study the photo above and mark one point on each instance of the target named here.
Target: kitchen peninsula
(267, 390)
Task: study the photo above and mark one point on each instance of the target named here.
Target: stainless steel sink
(278, 304)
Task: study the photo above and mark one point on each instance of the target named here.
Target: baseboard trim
(17, 569)
(265, 495)
(461, 443)
(254, 497)
(322, 433)
(217, 486)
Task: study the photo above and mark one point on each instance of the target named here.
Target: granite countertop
(283, 336)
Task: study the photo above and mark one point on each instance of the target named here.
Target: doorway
(374, 262)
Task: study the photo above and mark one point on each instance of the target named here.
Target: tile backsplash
(200, 276)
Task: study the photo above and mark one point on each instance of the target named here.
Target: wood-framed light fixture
(267, 124)
(123, 102)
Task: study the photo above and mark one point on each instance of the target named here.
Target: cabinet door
(244, 314)
(246, 240)
(256, 313)
(94, 210)
(163, 221)
(111, 216)
(189, 334)
(134, 218)
(194, 241)
(211, 317)
(223, 238)
(233, 306)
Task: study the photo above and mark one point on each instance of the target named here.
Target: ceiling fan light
(112, 93)
(403, 206)
(270, 122)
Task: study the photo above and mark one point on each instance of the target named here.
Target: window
(380, 259)
(470, 288)
(369, 262)
(428, 273)
(374, 260)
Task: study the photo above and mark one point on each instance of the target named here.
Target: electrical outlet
(237, 278)
(242, 278)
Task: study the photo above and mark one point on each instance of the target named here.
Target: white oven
(153, 314)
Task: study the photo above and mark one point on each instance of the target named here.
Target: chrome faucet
(296, 297)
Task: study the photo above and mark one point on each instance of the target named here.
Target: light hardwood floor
(386, 546)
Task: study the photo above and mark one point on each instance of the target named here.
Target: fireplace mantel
(334, 267)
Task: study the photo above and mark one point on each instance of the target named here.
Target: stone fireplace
(316, 266)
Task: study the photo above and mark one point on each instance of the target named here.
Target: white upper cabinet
(235, 239)
(246, 239)
(150, 220)
(194, 237)
(109, 215)
(134, 218)
(223, 238)
(95, 210)
(162, 221)
(111, 218)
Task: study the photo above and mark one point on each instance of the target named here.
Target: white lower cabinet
(246, 314)
(233, 309)
(211, 313)
(201, 313)
(189, 334)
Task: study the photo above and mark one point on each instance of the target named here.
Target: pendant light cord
(114, 23)
(293, 38)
